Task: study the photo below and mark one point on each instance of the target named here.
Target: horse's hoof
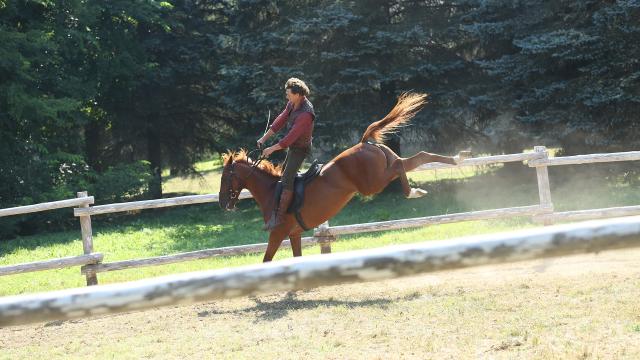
(462, 155)
(416, 193)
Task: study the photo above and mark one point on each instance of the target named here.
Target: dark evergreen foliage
(568, 71)
(87, 87)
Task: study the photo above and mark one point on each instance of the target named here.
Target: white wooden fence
(313, 271)
(324, 234)
(89, 257)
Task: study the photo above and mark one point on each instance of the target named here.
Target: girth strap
(300, 221)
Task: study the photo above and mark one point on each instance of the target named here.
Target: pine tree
(566, 70)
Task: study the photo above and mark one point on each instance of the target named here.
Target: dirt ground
(578, 307)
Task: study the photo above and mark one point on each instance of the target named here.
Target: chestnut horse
(365, 168)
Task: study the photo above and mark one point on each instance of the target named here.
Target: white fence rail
(485, 160)
(192, 255)
(438, 219)
(52, 264)
(19, 210)
(587, 159)
(314, 271)
(591, 214)
(153, 204)
(325, 234)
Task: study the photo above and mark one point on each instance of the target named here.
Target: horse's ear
(227, 158)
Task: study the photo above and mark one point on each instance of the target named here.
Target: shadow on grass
(196, 227)
(41, 240)
(191, 227)
(270, 311)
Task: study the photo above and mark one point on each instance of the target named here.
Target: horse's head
(230, 185)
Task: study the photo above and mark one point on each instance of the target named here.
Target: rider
(299, 115)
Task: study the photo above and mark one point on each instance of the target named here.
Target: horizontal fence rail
(153, 204)
(51, 264)
(324, 234)
(46, 206)
(483, 160)
(313, 271)
(587, 159)
(309, 241)
(580, 215)
(192, 255)
(438, 219)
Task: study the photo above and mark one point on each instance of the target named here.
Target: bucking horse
(365, 168)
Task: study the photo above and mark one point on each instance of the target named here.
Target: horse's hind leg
(401, 165)
(424, 157)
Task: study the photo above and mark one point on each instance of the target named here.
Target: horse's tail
(408, 105)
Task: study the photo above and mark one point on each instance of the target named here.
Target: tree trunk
(93, 143)
(155, 159)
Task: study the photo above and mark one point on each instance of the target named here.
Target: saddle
(299, 184)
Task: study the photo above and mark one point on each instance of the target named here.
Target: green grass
(575, 307)
(194, 228)
(205, 182)
(172, 230)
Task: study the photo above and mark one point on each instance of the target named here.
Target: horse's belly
(323, 202)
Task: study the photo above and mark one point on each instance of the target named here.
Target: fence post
(87, 239)
(544, 189)
(324, 237)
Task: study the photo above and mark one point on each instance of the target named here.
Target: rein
(233, 195)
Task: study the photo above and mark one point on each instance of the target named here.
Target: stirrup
(272, 223)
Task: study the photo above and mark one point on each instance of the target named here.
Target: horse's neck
(261, 186)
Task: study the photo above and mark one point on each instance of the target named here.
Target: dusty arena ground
(579, 307)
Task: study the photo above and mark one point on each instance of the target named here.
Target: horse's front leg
(296, 243)
(275, 239)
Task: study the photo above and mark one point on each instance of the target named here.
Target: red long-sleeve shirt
(301, 129)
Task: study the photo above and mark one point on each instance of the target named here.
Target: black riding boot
(280, 211)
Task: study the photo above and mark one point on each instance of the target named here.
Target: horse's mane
(241, 156)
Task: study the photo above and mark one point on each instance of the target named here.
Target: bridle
(235, 194)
